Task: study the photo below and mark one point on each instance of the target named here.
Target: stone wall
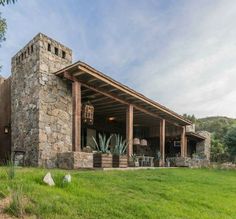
(191, 162)
(204, 147)
(75, 160)
(5, 118)
(55, 103)
(41, 102)
(24, 101)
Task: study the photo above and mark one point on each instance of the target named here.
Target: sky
(181, 54)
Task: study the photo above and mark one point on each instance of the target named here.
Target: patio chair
(143, 161)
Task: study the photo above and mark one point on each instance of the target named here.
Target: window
(49, 47)
(32, 48)
(28, 50)
(63, 54)
(56, 51)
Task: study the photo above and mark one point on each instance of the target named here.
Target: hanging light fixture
(88, 113)
(136, 141)
(143, 142)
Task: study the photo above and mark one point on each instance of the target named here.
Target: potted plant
(133, 161)
(119, 158)
(102, 158)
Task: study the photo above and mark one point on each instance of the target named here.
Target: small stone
(67, 178)
(48, 179)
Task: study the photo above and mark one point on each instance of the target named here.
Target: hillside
(217, 125)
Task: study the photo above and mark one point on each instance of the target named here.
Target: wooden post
(129, 129)
(186, 146)
(76, 98)
(183, 142)
(162, 141)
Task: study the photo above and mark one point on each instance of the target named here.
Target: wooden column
(76, 133)
(183, 142)
(129, 129)
(186, 146)
(162, 140)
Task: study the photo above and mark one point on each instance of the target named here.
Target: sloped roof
(91, 77)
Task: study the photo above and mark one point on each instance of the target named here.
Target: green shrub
(10, 169)
(17, 205)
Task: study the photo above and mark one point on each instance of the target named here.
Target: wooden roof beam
(79, 73)
(116, 106)
(119, 100)
(125, 89)
(72, 78)
(92, 80)
(100, 99)
(103, 85)
(104, 103)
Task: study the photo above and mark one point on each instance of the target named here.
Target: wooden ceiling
(111, 97)
(107, 108)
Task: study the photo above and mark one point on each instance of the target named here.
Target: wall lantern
(6, 129)
(111, 118)
(88, 113)
(143, 142)
(136, 141)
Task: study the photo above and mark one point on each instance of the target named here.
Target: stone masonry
(204, 147)
(41, 102)
(75, 160)
(5, 118)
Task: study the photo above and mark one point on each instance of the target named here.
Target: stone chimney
(40, 101)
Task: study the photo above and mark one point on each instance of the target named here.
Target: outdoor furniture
(145, 160)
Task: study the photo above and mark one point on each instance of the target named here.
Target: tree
(6, 2)
(192, 118)
(218, 150)
(230, 142)
(3, 24)
(3, 27)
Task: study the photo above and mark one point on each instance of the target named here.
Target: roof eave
(75, 66)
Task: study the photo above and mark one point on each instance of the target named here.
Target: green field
(160, 193)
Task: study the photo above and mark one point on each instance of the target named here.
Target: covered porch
(152, 131)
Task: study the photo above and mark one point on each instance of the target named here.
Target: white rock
(48, 179)
(67, 178)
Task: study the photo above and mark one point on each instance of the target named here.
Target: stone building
(41, 110)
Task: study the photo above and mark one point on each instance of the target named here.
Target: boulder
(67, 178)
(48, 179)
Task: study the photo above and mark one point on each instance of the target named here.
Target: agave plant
(120, 146)
(103, 144)
(134, 157)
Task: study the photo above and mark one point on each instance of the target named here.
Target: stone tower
(41, 102)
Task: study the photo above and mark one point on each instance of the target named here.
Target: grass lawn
(160, 193)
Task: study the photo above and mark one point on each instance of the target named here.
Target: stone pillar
(129, 129)
(204, 147)
(162, 141)
(76, 96)
(183, 142)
